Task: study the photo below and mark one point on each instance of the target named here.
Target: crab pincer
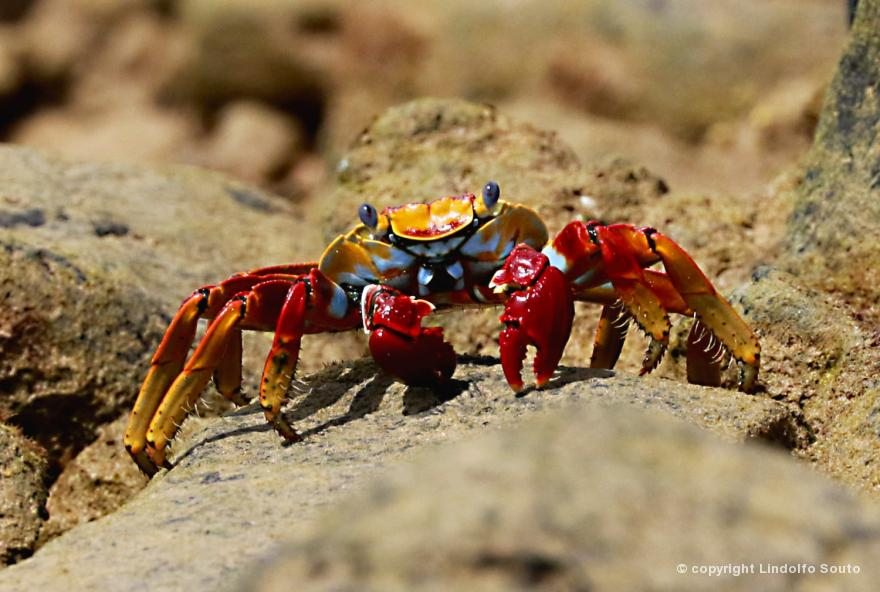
(400, 345)
(539, 312)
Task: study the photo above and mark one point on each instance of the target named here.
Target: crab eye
(368, 215)
(491, 193)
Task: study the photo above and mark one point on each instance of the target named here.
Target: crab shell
(445, 251)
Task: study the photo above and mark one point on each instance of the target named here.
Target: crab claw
(539, 312)
(400, 345)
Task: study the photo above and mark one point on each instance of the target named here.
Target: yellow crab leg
(166, 364)
(710, 307)
(282, 359)
(187, 387)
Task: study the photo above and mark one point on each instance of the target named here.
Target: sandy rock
(94, 260)
(22, 494)
(589, 499)
(252, 142)
(95, 483)
(831, 238)
(235, 489)
(96, 135)
(820, 361)
(239, 51)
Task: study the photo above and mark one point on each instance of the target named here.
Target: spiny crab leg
(282, 359)
(610, 335)
(166, 365)
(187, 387)
(710, 307)
(539, 312)
(631, 285)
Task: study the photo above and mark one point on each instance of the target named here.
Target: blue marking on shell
(399, 260)
(479, 244)
(556, 258)
(455, 270)
(338, 303)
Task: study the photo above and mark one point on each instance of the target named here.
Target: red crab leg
(282, 359)
(166, 365)
(610, 335)
(171, 354)
(400, 345)
(539, 312)
(227, 376)
(628, 279)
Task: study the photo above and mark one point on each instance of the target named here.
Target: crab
(398, 265)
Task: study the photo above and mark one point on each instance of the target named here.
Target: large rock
(22, 494)
(589, 499)
(832, 238)
(818, 360)
(94, 259)
(235, 490)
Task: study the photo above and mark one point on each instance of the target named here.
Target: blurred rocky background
(709, 95)
(695, 117)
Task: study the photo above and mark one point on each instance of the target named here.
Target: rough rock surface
(97, 482)
(590, 499)
(22, 494)
(833, 231)
(819, 361)
(235, 490)
(94, 259)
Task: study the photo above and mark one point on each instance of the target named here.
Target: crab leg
(227, 376)
(631, 285)
(166, 365)
(710, 307)
(168, 361)
(704, 356)
(610, 335)
(283, 357)
(186, 388)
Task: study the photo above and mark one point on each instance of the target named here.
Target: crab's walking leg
(186, 388)
(711, 308)
(704, 356)
(610, 335)
(631, 285)
(283, 357)
(166, 365)
(400, 345)
(227, 376)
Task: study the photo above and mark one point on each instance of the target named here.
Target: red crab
(398, 265)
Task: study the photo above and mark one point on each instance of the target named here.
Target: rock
(588, 499)
(272, 139)
(95, 483)
(233, 479)
(22, 494)
(819, 360)
(831, 240)
(94, 258)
